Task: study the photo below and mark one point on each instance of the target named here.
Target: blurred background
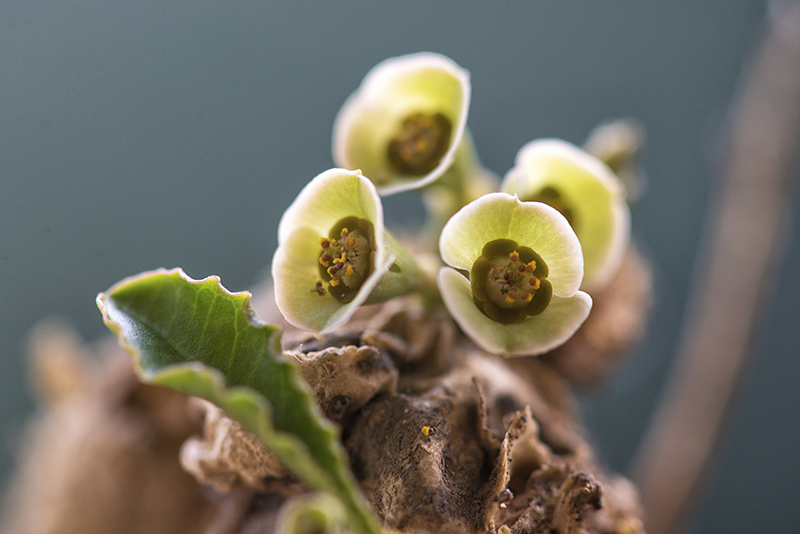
(136, 135)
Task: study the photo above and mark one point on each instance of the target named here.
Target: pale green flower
(334, 253)
(403, 124)
(586, 192)
(525, 266)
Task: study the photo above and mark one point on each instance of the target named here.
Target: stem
(751, 207)
(463, 182)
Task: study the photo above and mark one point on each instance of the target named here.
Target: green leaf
(200, 339)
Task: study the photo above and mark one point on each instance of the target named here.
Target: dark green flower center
(420, 144)
(346, 258)
(509, 282)
(553, 198)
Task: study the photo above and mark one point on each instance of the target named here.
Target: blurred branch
(743, 243)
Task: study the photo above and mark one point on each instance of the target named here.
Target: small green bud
(619, 145)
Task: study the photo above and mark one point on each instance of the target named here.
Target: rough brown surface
(442, 437)
(103, 457)
(344, 379)
(467, 442)
(226, 456)
(618, 320)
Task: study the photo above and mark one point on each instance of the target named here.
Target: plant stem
(748, 216)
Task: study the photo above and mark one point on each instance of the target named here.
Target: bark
(442, 437)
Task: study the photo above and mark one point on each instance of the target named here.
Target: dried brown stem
(746, 225)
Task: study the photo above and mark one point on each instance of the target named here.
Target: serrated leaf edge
(289, 449)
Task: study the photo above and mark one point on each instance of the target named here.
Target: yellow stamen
(513, 256)
(510, 297)
(324, 242)
(531, 266)
(334, 282)
(426, 430)
(349, 270)
(351, 241)
(334, 243)
(535, 283)
(527, 297)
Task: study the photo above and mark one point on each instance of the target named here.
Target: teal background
(136, 135)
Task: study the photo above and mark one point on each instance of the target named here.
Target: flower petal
(391, 91)
(295, 272)
(594, 193)
(330, 197)
(533, 336)
(532, 224)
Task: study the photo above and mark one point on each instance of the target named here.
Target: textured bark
(103, 455)
(442, 437)
(618, 319)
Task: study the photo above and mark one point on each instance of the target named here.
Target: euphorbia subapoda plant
(515, 264)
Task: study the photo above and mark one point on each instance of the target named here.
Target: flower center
(509, 282)
(346, 258)
(553, 198)
(420, 144)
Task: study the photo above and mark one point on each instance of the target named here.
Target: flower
(525, 267)
(403, 124)
(586, 192)
(334, 254)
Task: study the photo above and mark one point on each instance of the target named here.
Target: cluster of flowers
(518, 263)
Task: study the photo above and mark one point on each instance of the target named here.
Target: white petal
(532, 224)
(330, 197)
(533, 336)
(594, 193)
(295, 273)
